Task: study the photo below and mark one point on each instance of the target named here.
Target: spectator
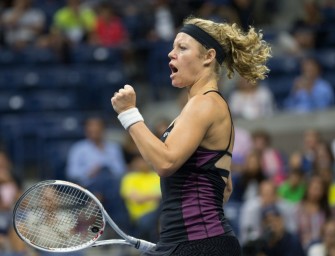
(272, 161)
(163, 22)
(293, 188)
(250, 216)
(109, 30)
(264, 12)
(219, 11)
(312, 212)
(300, 41)
(242, 147)
(246, 183)
(324, 162)
(311, 139)
(278, 241)
(244, 11)
(22, 24)
(98, 165)
(251, 102)
(94, 154)
(140, 189)
(327, 242)
(73, 22)
(136, 16)
(310, 92)
(325, 166)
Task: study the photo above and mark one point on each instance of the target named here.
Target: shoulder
(79, 145)
(322, 84)
(113, 146)
(62, 13)
(204, 104)
(200, 99)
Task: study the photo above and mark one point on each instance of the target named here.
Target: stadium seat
(11, 102)
(55, 138)
(11, 78)
(101, 76)
(50, 100)
(95, 54)
(19, 130)
(100, 83)
(158, 66)
(22, 77)
(38, 56)
(61, 76)
(8, 57)
(38, 139)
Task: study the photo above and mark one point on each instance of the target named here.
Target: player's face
(185, 64)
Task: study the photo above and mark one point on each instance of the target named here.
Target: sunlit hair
(246, 52)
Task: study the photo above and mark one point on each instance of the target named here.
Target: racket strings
(58, 216)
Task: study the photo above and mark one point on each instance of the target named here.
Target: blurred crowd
(143, 31)
(282, 204)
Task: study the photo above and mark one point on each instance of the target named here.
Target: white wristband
(130, 117)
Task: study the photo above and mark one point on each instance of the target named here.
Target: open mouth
(173, 69)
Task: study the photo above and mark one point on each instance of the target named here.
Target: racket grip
(143, 245)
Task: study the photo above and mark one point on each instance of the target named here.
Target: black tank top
(192, 197)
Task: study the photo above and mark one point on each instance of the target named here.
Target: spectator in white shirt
(22, 24)
(251, 101)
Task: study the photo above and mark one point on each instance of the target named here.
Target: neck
(203, 85)
(98, 142)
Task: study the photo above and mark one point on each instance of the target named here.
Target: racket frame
(139, 244)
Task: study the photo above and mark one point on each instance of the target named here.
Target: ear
(209, 57)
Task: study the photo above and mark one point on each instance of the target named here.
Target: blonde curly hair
(246, 52)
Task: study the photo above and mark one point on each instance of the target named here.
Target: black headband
(205, 39)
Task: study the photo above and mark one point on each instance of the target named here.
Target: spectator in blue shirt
(98, 165)
(91, 155)
(310, 91)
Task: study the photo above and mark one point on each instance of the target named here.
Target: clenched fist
(124, 99)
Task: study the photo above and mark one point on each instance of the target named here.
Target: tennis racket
(59, 216)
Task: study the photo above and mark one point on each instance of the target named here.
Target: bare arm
(187, 134)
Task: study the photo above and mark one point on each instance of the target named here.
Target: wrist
(130, 117)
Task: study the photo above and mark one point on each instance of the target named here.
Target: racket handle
(143, 245)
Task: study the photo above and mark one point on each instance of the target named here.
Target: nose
(171, 54)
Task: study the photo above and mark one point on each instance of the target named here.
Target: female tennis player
(193, 157)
